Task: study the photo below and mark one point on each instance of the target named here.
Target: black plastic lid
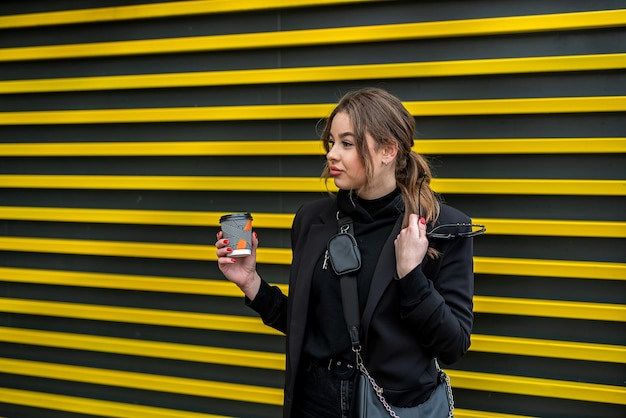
(233, 216)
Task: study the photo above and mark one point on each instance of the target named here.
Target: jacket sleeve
(271, 305)
(440, 308)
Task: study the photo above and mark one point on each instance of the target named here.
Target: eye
(347, 144)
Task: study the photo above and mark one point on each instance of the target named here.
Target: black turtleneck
(327, 334)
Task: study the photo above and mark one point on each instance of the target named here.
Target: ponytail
(413, 177)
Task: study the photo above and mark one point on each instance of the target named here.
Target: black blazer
(405, 323)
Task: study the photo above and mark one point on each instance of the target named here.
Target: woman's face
(346, 167)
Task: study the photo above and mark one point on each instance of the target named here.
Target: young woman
(415, 292)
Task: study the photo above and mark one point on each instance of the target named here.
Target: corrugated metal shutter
(127, 130)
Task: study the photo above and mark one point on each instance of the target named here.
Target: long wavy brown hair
(383, 116)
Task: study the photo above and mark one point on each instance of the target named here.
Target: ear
(389, 151)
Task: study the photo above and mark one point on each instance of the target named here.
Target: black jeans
(320, 393)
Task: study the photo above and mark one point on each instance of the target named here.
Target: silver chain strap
(446, 379)
(379, 390)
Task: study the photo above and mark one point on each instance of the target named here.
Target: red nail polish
(234, 260)
(225, 242)
(230, 250)
(423, 221)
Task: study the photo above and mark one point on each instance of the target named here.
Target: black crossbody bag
(368, 397)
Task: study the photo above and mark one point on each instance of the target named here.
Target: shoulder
(316, 210)
(320, 204)
(449, 215)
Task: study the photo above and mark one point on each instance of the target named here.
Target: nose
(331, 155)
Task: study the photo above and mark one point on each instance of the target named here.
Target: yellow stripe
(550, 388)
(549, 348)
(179, 114)
(152, 11)
(468, 413)
(283, 221)
(221, 148)
(482, 304)
(124, 281)
(310, 147)
(148, 217)
(133, 249)
(138, 316)
(121, 410)
(320, 74)
(184, 352)
(518, 106)
(539, 227)
(314, 111)
(567, 269)
(520, 146)
(110, 248)
(144, 381)
(345, 35)
(550, 268)
(92, 406)
(308, 184)
(531, 187)
(550, 308)
(551, 227)
(482, 265)
(276, 361)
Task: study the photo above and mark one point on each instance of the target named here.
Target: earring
(385, 162)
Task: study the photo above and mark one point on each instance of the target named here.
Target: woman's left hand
(411, 245)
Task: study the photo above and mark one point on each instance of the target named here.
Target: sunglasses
(458, 230)
(450, 231)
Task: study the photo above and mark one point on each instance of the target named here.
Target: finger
(223, 251)
(222, 261)
(413, 220)
(422, 227)
(220, 243)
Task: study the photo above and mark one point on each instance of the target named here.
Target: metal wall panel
(128, 128)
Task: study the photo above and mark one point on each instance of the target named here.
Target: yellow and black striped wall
(127, 128)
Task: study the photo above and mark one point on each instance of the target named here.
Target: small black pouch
(344, 253)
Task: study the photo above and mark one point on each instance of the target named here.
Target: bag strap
(349, 291)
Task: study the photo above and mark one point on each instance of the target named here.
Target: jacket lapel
(316, 239)
(315, 244)
(383, 275)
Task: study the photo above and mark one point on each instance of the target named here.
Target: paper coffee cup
(237, 229)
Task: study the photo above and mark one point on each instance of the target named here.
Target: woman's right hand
(242, 270)
(411, 245)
